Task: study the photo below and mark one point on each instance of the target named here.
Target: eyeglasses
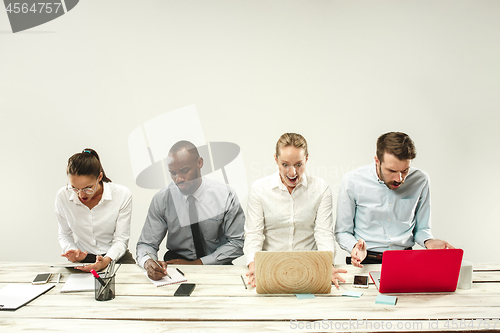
(87, 190)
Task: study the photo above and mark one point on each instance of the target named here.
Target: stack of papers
(79, 282)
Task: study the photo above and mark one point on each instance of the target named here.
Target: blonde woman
(289, 210)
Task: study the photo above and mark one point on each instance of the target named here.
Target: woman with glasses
(93, 215)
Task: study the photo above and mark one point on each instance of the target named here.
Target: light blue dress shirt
(386, 219)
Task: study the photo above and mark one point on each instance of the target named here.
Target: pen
(58, 278)
(178, 270)
(101, 281)
(156, 262)
(244, 283)
(98, 277)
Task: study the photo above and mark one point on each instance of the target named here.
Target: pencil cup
(465, 277)
(106, 292)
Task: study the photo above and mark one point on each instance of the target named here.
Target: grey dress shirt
(221, 223)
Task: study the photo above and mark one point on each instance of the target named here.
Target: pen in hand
(156, 262)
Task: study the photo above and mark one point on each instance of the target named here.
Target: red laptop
(418, 271)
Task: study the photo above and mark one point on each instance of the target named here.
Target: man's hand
(336, 277)
(100, 263)
(154, 271)
(437, 244)
(185, 262)
(74, 255)
(251, 274)
(358, 253)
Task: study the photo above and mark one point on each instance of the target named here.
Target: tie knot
(191, 199)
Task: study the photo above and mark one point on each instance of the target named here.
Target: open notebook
(176, 277)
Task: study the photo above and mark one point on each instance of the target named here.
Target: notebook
(13, 296)
(79, 282)
(416, 271)
(176, 277)
(293, 272)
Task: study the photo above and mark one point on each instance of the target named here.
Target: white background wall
(339, 72)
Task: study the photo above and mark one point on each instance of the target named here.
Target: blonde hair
(291, 139)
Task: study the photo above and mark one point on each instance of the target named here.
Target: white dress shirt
(104, 229)
(281, 221)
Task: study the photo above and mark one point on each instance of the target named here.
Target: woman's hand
(336, 277)
(99, 265)
(74, 255)
(251, 274)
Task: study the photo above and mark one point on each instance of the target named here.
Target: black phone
(185, 289)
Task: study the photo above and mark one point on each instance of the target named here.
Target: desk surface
(221, 303)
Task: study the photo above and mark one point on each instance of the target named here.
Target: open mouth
(396, 185)
(292, 180)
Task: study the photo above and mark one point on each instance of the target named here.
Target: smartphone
(360, 281)
(185, 289)
(41, 278)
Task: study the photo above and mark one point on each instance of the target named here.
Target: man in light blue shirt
(385, 205)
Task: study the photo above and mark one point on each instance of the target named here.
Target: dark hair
(184, 145)
(86, 163)
(398, 144)
(291, 139)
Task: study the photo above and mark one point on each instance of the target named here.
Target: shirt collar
(373, 173)
(198, 194)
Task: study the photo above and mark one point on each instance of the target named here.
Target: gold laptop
(293, 272)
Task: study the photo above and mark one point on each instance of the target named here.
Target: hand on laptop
(437, 244)
(358, 253)
(251, 274)
(336, 277)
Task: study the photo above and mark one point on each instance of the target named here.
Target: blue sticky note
(383, 299)
(352, 293)
(305, 296)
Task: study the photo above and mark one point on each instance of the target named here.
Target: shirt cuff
(350, 245)
(143, 260)
(209, 260)
(421, 237)
(250, 257)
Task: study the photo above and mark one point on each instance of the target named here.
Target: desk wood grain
(221, 303)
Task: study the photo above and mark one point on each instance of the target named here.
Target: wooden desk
(221, 303)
